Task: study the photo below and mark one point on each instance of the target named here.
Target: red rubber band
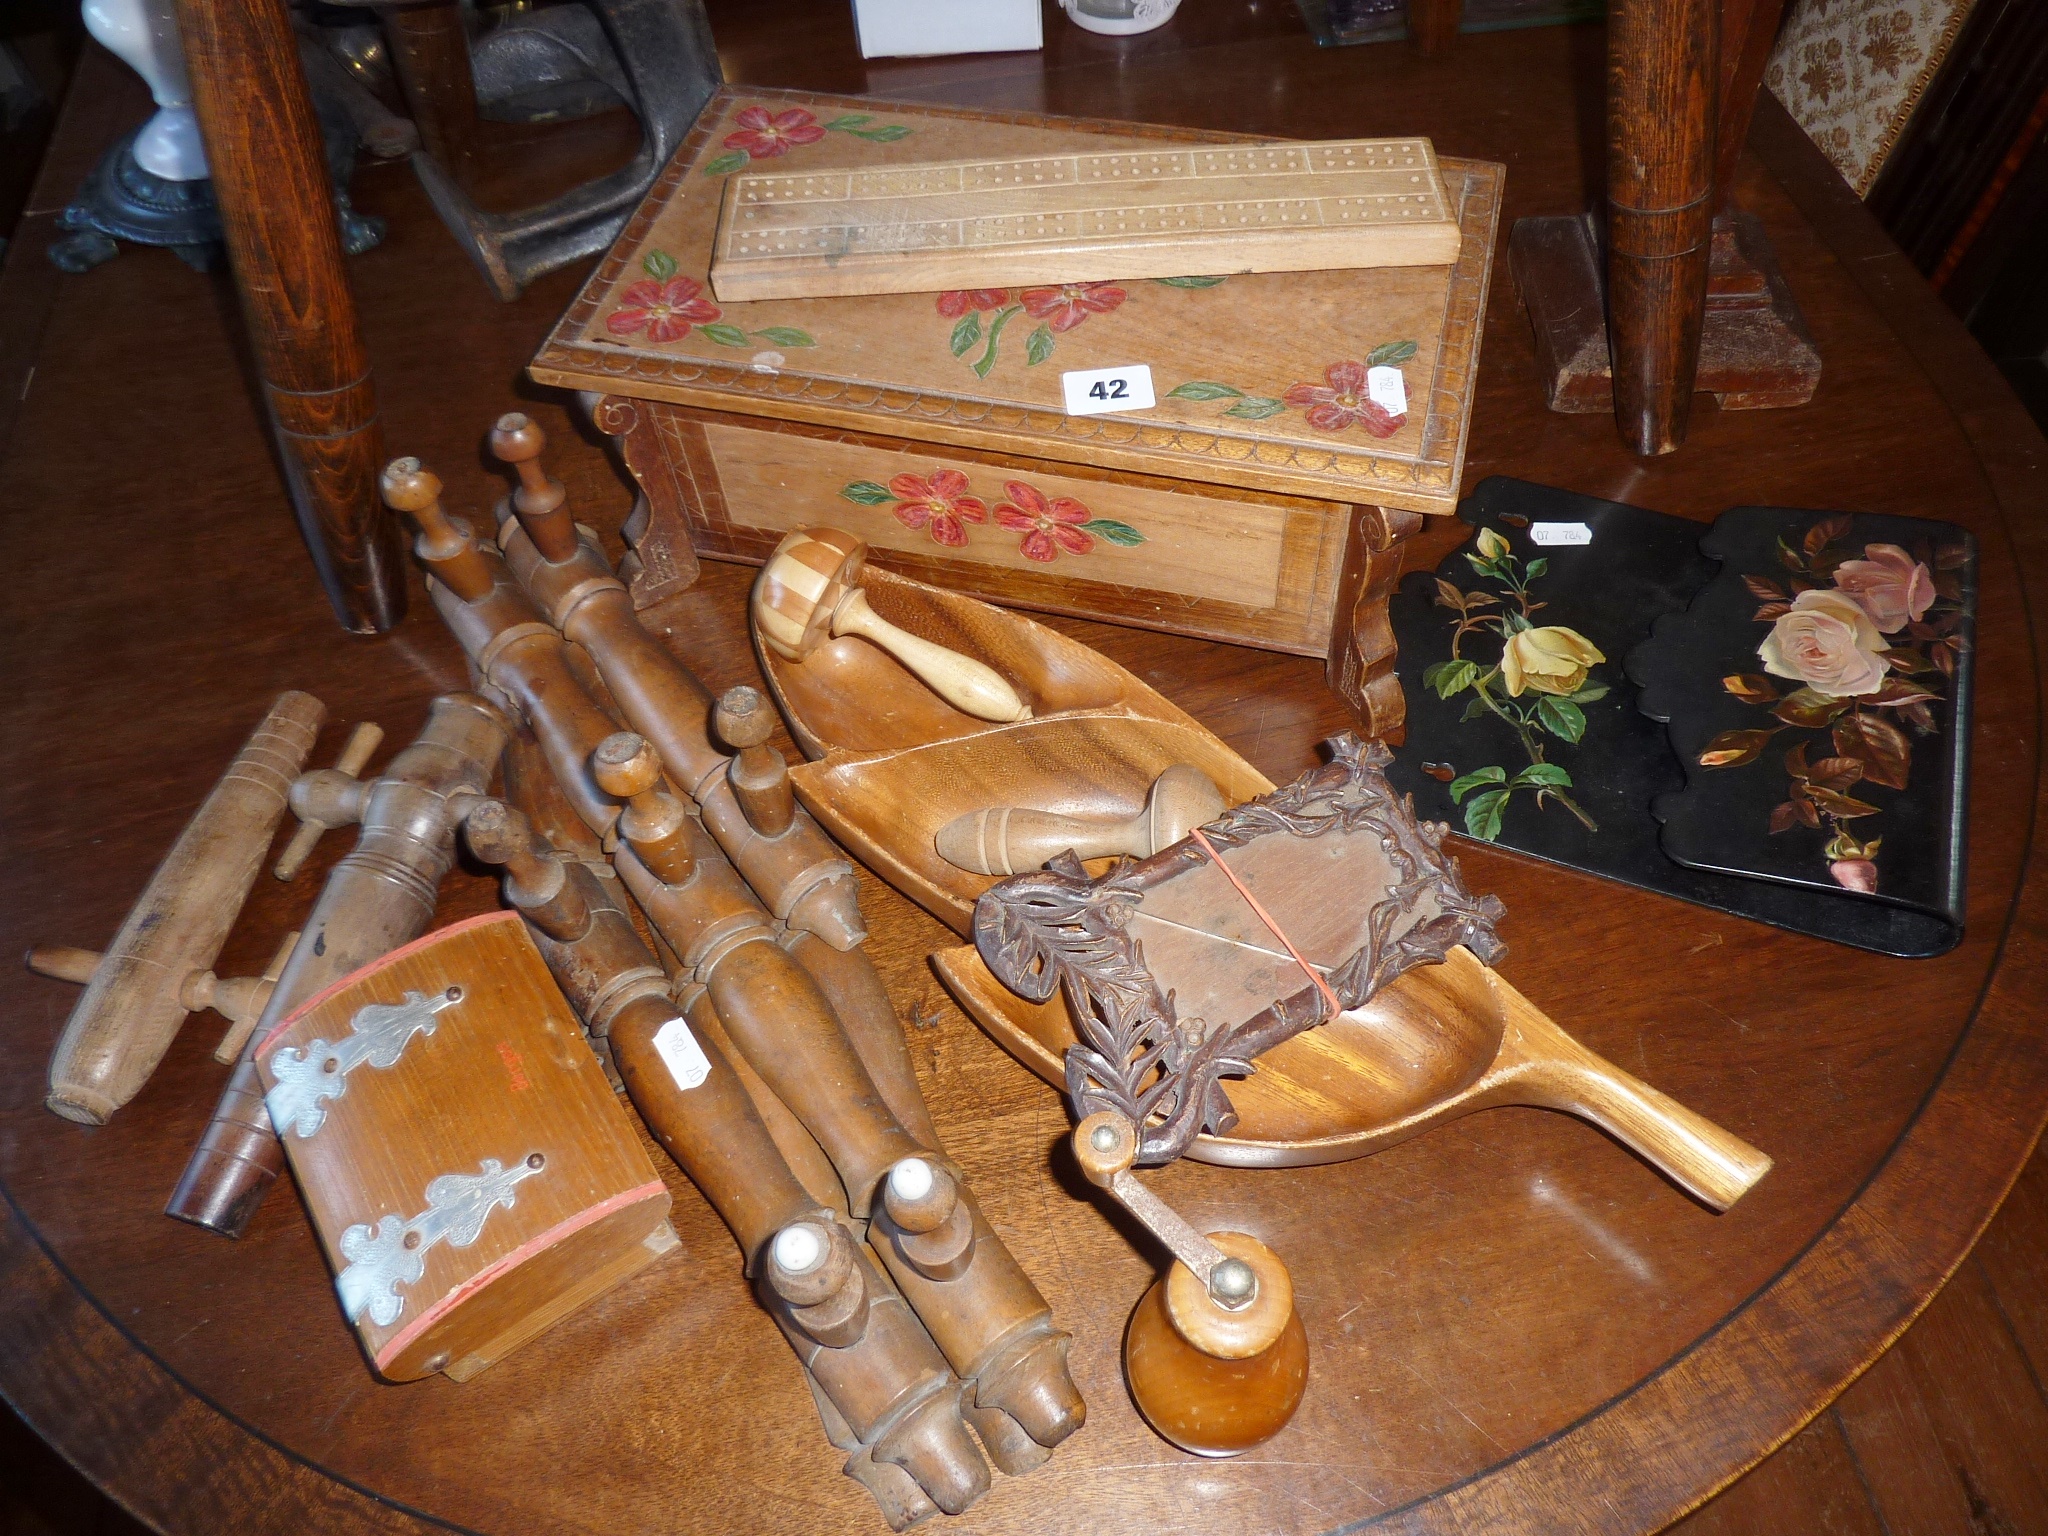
(1266, 917)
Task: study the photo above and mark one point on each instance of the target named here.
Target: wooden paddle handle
(132, 1007)
(1557, 1072)
(968, 685)
(1010, 840)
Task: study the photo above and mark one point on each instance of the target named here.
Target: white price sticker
(1560, 533)
(681, 1054)
(1098, 391)
(1387, 389)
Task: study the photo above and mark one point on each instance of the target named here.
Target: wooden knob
(536, 880)
(62, 962)
(759, 776)
(1105, 1145)
(812, 1266)
(807, 592)
(539, 502)
(1215, 1379)
(1009, 840)
(329, 799)
(445, 545)
(935, 1227)
(654, 821)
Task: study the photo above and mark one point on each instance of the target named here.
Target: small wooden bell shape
(808, 593)
(1214, 1380)
(1009, 840)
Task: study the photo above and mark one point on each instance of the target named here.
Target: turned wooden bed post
(277, 212)
(1661, 88)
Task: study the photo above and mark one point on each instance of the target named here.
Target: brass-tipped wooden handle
(1552, 1069)
(356, 753)
(970, 686)
(1011, 840)
(132, 1007)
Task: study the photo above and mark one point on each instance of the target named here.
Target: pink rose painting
(665, 311)
(1889, 585)
(1829, 643)
(1066, 307)
(1048, 525)
(955, 302)
(763, 134)
(1870, 637)
(937, 503)
(1341, 401)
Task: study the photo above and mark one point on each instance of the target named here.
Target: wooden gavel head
(1219, 1368)
(802, 586)
(811, 1265)
(445, 546)
(1009, 840)
(654, 822)
(517, 440)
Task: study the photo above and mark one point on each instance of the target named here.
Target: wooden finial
(759, 775)
(654, 821)
(536, 880)
(811, 1265)
(445, 545)
(539, 502)
(806, 594)
(935, 1227)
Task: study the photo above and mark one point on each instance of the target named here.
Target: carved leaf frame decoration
(1059, 930)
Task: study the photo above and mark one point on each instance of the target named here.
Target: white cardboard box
(907, 28)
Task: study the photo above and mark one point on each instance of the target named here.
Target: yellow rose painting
(1543, 677)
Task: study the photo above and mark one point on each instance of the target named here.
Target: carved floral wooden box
(471, 1176)
(1261, 500)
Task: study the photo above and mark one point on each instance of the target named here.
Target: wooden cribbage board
(1225, 512)
(1107, 215)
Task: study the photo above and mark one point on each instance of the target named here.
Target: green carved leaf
(1389, 353)
(1482, 816)
(887, 135)
(1465, 784)
(1547, 775)
(1187, 282)
(786, 336)
(966, 334)
(1114, 531)
(850, 122)
(1562, 718)
(866, 493)
(726, 163)
(659, 265)
(1038, 347)
(1204, 389)
(1256, 408)
(725, 335)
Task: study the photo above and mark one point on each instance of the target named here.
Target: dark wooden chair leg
(1662, 79)
(1433, 25)
(430, 52)
(277, 210)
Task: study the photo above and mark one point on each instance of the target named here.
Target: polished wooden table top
(1514, 1323)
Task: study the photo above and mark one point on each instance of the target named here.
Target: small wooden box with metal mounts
(472, 1178)
(1302, 423)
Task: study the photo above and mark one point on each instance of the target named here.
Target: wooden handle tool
(321, 803)
(134, 1002)
(238, 999)
(808, 593)
(1216, 1356)
(1010, 840)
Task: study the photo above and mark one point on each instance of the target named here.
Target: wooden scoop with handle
(1007, 840)
(808, 593)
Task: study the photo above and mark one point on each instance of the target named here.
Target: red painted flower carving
(939, 504)
(955, 302)
(1048, 526)
(1066, 307)
(763, 134)
(1342, 402)
(665, 311)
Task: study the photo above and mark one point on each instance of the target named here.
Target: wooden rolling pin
(1009, 840)
(133, 1005)
(808, 593)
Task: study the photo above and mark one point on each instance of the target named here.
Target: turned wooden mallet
(1009, 840)
(809, 592)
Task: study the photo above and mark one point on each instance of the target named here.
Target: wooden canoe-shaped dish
(892, 763)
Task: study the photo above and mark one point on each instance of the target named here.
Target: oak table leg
(277, 213)
(1361, 664)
